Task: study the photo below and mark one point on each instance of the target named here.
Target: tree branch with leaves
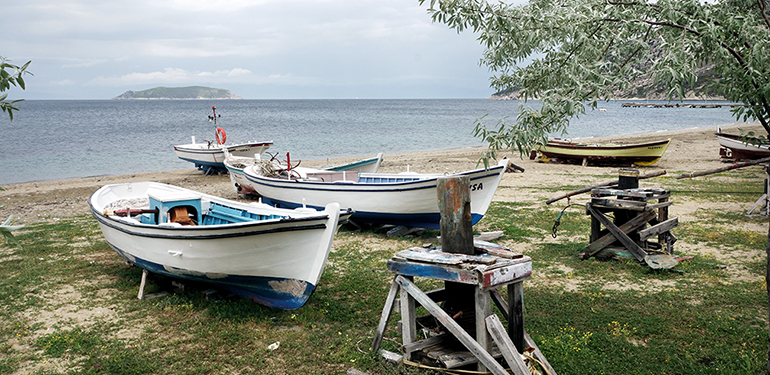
(571, 54)
(11, 75)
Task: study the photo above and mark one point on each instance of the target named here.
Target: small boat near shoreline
(270, 255)
(738, 147)
(210, 156)
(647, 153)
(406, 199)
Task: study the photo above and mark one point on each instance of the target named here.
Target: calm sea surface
(61, 139)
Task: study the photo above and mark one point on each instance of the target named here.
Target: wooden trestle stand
(479, 268)
(632, 212)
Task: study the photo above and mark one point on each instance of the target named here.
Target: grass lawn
(69, 302)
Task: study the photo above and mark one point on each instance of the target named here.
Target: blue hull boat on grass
(270, 255)
(405, 199)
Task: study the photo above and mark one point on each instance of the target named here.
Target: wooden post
(516, 315)
(141, 284)
(408, 320)
(454, 202)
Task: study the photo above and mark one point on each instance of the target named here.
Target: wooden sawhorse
(486, 272)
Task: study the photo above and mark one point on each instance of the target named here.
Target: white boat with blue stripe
(406, 199)
(273, 256)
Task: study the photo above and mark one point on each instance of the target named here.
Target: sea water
(61, 139)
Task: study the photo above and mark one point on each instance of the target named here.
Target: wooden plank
(386, 310)
(622, 237)
(516, 314)
(656, 206)
(440, 257)
(608, 239)
(591, 188)
(447, 321)
(538, 354)
(515, 272)
(628, 193)
(658, 229)
(507, 348)
(433, 271)
(483, 310)
(619, 204)
(495, 249)
(391, 357)
(426, 343)
(462, 359)
(663, 216)
(408, 322)
(488, 236)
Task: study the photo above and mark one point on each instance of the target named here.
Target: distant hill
(192, 92)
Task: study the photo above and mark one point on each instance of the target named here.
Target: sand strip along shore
(690, 150)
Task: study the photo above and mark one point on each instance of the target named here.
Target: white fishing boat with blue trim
(271, 255)
(236, 164)
(210, 156)
(406, 199)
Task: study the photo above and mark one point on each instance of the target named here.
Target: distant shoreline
(690, 150)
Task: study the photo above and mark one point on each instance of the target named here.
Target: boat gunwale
(218, 148)
(238, 229)
(123, 226)
(356, 187)
(584, 146)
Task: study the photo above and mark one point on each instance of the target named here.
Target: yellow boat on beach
(570, 152)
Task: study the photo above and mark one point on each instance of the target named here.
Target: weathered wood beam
(608, 239)
(507, 348)
(638, 252)
(386, 311)
(658, 229)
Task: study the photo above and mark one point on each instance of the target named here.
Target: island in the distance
(191, 92)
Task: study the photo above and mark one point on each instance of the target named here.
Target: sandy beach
(690, 150)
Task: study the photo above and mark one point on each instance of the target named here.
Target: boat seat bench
(219, 214)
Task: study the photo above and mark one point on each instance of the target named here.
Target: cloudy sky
(258, 49)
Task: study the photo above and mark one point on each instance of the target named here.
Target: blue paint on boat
(257, 288)
(424, 220)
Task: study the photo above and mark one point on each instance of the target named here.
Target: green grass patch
(69, 300)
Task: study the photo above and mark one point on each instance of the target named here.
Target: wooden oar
(611, 183)
(717, 170)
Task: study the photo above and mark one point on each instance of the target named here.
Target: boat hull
(411, 202)
(734, 147)
(205, 157)
(235, 166)
(276, 262)
(640, 154)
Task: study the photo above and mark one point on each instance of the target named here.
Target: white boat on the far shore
(210, 156)
(738, 147)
